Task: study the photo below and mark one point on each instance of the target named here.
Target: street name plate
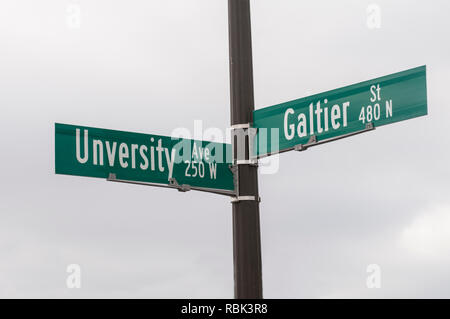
(95, 152)
(340, 112)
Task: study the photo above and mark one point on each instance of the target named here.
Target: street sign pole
(246, 225)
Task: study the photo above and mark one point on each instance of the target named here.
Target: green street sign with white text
(95, 152)
(340, 112)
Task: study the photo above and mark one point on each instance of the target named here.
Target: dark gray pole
(246, 227)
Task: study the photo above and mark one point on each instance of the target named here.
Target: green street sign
(340, 112)
(95, 152)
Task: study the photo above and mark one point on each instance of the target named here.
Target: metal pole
(246, 225)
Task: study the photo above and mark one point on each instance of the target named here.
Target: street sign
(340, 112)
(95, 152)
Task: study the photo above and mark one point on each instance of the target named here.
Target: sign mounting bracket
(174, 185)
(314, 142)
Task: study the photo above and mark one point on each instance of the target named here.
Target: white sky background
(153, 66)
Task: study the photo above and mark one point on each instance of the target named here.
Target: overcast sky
(154, 66)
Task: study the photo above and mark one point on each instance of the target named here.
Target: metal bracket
(241, 126)
(237, 198)
(245, 198)
(181, 188)
(174, 185)
(251, 162)
(314, 142)
(303, 147)
(251, 133)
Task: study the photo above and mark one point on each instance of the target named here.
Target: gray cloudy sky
(153, 66)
